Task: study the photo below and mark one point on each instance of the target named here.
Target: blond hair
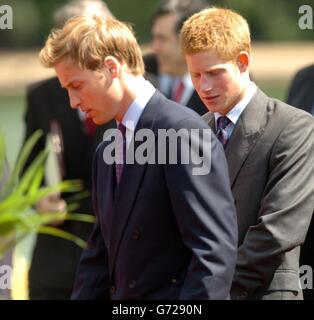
(222, 30)
(88, 40)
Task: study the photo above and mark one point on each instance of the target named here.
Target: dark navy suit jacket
(165, 233)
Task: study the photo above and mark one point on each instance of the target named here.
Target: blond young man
(159, 233)
(269, 148)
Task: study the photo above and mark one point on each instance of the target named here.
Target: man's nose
(206, 83)
(74, 101)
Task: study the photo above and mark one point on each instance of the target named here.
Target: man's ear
(112, 65)
(243, 61)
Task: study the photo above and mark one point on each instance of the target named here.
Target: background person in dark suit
(162, 232)
(269, 148)
(301, 95)
(175, 81)
(54, 260)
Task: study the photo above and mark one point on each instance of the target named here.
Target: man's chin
(213, 108)
(100, 122)
(97, 121)
(210, 107)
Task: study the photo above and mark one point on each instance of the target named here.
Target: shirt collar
(235, 112)
(135, 110)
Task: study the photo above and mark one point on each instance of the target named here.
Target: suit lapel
(108, 182)
(131, 179)
(247, 131)
(99, 134)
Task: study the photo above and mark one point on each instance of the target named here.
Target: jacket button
(132, 284)
(136, 234)
(112, 289)
(174, 280)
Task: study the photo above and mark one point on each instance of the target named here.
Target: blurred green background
(271, 21)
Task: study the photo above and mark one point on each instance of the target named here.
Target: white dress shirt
(135, 110)
(235, 113)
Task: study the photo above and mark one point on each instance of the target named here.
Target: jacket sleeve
(92, 277)
(204, 210)
(285, 211)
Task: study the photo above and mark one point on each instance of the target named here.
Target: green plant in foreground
(19, 194)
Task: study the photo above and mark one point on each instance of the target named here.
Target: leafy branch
(20, 193)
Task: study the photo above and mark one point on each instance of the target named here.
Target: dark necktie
(221, 133)
(121, 150)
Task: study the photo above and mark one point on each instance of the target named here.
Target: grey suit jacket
(270, 157)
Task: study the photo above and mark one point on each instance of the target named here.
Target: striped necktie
(221, 132)
(121, 150)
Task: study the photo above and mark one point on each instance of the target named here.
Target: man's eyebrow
(211, 69)
(214, 68)
(68, 84)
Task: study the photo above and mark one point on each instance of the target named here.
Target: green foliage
(19, 194)
(271, 20)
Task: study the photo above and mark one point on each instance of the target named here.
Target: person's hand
(52, 203)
